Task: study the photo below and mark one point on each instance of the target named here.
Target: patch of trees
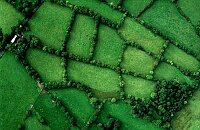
(169, 97)
(24, 6)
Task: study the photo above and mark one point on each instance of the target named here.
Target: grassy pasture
(109, 46)
(137, 61)
(105, 95)
(134, 7)
(138, 87)
(104, 80)
(32, 123)
(50, 23)
(170, 73)
(8, 17)
(164, 16)
(122, 112)
(56, 119)
(101, 8)
(47, 65)
(81, 36)
(182, 59)
(134, 32)
(17, 92)
(188, 117)
(191, 9)
(77, 103)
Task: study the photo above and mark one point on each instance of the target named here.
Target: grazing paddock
(138, 87)
(163, 15)
(109, 48)
(182, 59)
(132, 31)
(8, 17)
(191, 9)
(17, 92)
(81, 36)
(47, 65)
(32, 123)
(50, 24)
(137, 61)
(188, 117)
(101, 8)
(77, 103)
(170, 73)
(134, 7)
(52, 114)
(105, 80)
(122, 112)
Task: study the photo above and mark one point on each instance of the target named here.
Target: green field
(182, 59)
(132, 31)
(32, 123)
(109, 47)
(191, 9)
(188, 117)
(138, 87)
(164, 16)
(101, 8)
(122, 112)
(93, 76)
(134, 7)
(137, 61)
(81, 37)
(16, 85)
(50, 27)
(55, 118)
(48, 66)
(77, 103)
(167, 72)
(8, 17)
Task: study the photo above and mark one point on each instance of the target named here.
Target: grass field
(122, 112)
(191, 9)
(47, 65)
(50, 27)
(15, 85)
(55, 118)
(109, 46)
(77, 103)
(137, 61)
(32, 123)
(164, 16)
(81, 37)
(134, 32)
(182, 59)
(188, 117)
(101, 8)
(134, 7)
(8, 17)
(170, 73)
(138, 87)
(97, 78)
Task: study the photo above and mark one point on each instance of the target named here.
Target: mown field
(100, 64)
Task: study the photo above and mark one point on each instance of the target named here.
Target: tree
(1, 35)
